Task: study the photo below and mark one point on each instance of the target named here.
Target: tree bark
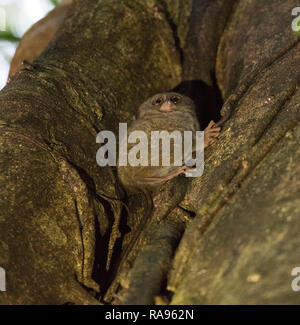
(229, 236)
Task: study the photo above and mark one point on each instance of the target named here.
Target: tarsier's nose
(167, 106)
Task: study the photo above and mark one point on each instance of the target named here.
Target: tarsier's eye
(175, 99)
(157, 101)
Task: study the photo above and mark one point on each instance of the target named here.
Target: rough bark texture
(62, 226)
(242, 246)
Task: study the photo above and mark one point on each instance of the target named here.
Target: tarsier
(168, 111)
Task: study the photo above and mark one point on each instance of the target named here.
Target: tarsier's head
(166, 103)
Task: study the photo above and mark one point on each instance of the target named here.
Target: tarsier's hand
(211, 134)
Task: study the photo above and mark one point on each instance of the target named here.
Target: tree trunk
(229, 236)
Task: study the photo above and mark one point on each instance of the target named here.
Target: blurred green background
(16, 16)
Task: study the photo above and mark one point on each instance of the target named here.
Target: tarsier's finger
(212, 131)
(213, 138)
(216, 129)
(211, 123)
(212, 135)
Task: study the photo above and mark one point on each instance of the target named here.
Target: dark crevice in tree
(207, 99)
(199, 77)
(100, 273)
(164, 291)
(80, 224)
(190, 213)
(117, 250)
